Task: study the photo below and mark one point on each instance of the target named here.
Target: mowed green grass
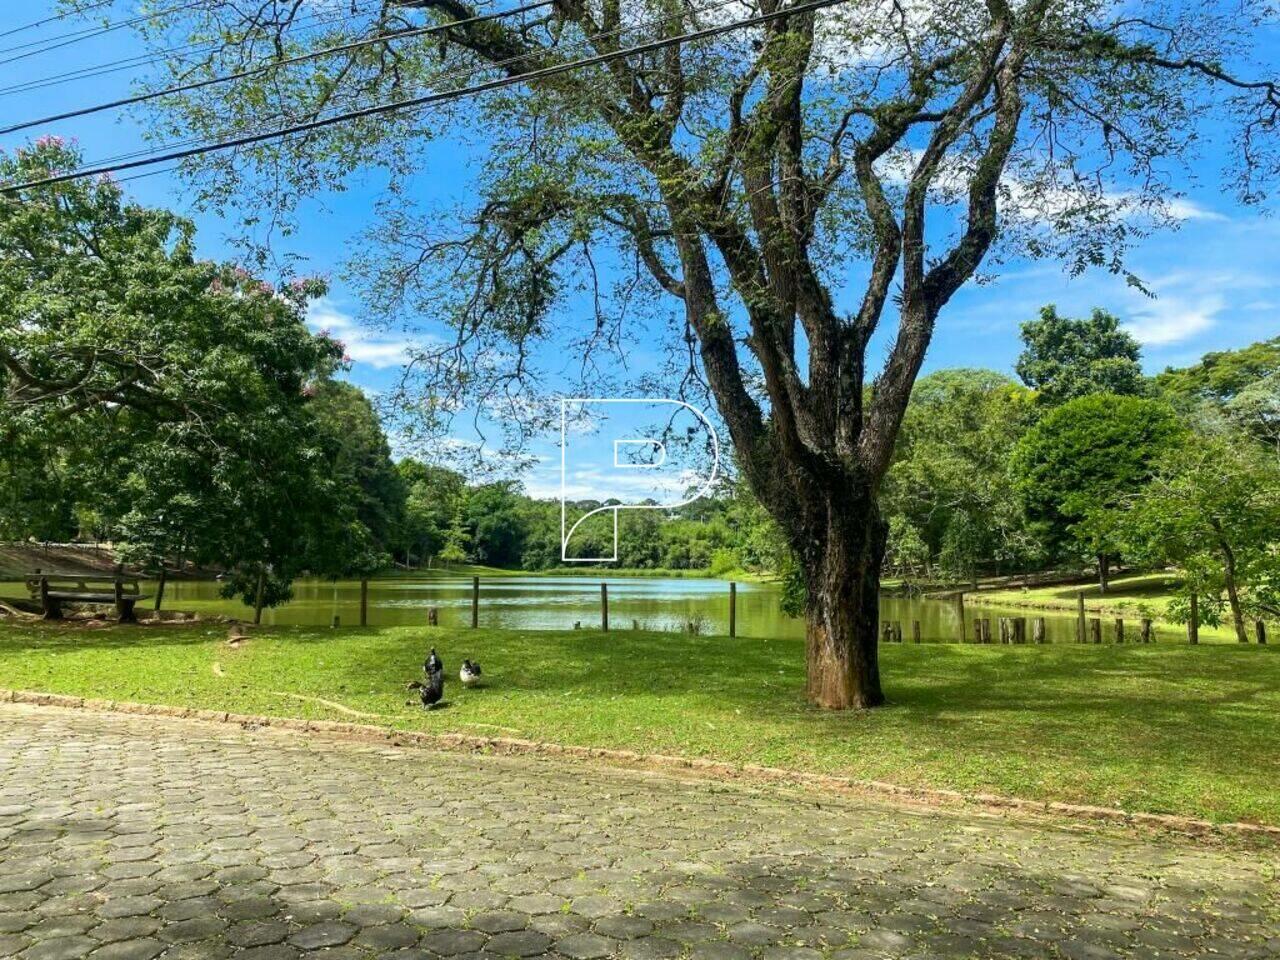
(1161, 728)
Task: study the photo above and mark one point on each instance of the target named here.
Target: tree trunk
(842, 609)
(1233, 592)
(1104, 565)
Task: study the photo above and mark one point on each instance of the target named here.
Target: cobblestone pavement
(128, 838)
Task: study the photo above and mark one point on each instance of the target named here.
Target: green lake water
(559, 602)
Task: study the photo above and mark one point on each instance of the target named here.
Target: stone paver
(133, 838)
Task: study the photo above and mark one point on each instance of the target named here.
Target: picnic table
(52, 590)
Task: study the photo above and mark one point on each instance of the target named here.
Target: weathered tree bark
(843, 608)
(1104, 566)
(1233, 591)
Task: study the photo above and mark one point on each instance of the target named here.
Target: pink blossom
(50, 140)
(309, 390)
(347, 359)
(264, 287)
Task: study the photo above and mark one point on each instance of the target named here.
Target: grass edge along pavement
(746, 773)
(1160, 729)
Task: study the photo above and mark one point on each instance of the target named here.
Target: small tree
(1079, 465)
(1212, 507)
(457, 539)
(1065, 358)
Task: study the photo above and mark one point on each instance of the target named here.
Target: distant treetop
(1223, 374)
(1065, 358)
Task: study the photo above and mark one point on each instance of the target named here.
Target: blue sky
(1216, 280)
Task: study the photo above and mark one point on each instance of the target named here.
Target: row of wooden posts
(1010, 629)
(433, 613)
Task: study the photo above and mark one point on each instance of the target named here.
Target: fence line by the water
(928, 620)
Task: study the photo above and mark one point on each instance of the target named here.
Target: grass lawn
(1131, 596)
(1162, 728)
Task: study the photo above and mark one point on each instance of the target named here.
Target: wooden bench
(53, 590)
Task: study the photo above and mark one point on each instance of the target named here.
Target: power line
(267, 123)
(88, 33)
(56, 17)
(429, 99)
(274, 65)
(179, 54)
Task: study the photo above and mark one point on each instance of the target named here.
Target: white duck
(469, 674)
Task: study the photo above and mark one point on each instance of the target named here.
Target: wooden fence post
(977, 629)
(337, 621)
(1146, 629)
(1119, 630)
(986, 630)
(886, 631)
(897, 631)
(915, 631)
(1079, 616)
(1193, 623)
(960, 614)
(364, 602)
(1260, 631)
(733, 609)
(475, 602)
(1037, 630)
(1020, 630)
(260, 596)
(604, 607)
(433, 616)
(164, 575)
(1095, 629)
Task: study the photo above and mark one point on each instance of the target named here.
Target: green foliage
(1065, 358)
(431, 503)
(949, 484)
(1212, 507)
(166, 396)
(362, 460)
(1083, 462)
(1222, 375)
(492, 515)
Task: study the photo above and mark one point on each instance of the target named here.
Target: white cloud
(1173, 318)
(363, 345)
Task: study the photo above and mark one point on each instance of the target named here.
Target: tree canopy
(1078, 466)
(168, 398)
(1063, 358)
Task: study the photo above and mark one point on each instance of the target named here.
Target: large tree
(784, 185)
(164, 394)
(950, 482)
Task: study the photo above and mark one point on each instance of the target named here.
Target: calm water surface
(557, 603)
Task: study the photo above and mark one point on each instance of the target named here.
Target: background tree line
(181, 409)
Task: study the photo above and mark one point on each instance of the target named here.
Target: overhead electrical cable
(88, 33)
(272, 65)
(431, 98)
(56, 17)
(270, 122)
(182, 54)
